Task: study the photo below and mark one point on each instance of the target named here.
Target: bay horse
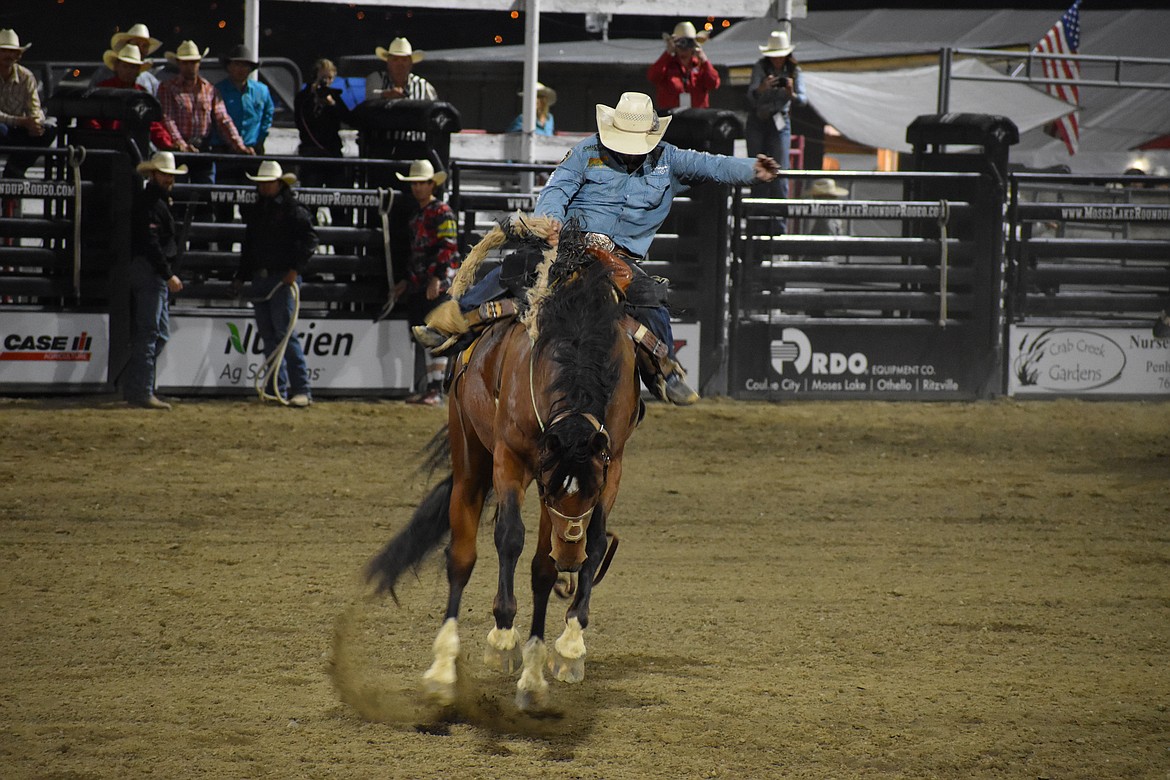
(554, 403)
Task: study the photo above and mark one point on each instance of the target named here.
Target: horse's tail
(428, 527)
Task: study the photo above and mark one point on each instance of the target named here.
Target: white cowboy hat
(128, 53)
(399, 47)
(632, 127)
(826, 188)
(422, 170)
(10, 40)
(548, 93)
(163, 162)
(187, 52)
(687, 30)
(778, 45)
(270, 171)
(139, 30)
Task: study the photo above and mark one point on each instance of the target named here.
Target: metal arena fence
(955, 280)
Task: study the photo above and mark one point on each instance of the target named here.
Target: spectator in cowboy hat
(192, 109)
(683, 74)
(776, 85)
(826, 189)
(154, 245)
(546, 97)
(619, 185)
(434, 257)
(127, 64)
(249, 103)
(22, 122)
(397, 81)
(279, 240)
(138, 35)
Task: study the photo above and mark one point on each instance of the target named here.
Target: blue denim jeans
(272, 320)
(150, 328)
(763, 138)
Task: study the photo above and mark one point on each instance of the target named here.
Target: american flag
(1064, 38)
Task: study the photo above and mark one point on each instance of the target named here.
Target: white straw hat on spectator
(270, 170)
(422, 170)
(399, 47)
(687, 30)
(187, 52)
(139, 30)
(10, 40)
(128, 53)
(631, 127)
(778, 45)
(826, 188)
(163, 162)
(548, 93)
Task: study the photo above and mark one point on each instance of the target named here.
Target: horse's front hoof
(439, 684)
(567, 670)
(503, 650)
(531, 700)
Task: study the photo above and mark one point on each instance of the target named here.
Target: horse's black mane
(578, 326)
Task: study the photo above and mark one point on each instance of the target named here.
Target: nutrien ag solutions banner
(225, 352)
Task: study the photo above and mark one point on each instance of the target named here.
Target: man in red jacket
(683, 74)
(127, 64)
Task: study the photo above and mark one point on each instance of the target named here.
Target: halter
(574, 525)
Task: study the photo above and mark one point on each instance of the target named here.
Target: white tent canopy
(874, 108)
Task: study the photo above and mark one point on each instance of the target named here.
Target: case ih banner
(1050, 361)
(835, 362)
(224, 353)
(53, 349)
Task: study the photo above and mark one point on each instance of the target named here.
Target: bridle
(573, 526)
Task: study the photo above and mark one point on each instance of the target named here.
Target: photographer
(319, 111)
(775, 86)
(683, 74)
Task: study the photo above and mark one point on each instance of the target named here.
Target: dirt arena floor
(812, 590)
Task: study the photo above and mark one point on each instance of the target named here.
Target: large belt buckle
(600, 241)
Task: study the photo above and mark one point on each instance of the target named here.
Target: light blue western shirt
(630, 207)
(250, 109)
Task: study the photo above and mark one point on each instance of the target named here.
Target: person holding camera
(776, 85)
(683, 74)
(319, 111)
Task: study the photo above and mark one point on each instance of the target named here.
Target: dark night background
(79, 30)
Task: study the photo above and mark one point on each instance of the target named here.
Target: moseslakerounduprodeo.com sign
(226, 353)
(1087, 361)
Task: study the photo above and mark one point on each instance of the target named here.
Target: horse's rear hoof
(568, 670)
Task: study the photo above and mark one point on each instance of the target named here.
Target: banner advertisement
(225, 353)
(833, 362)
(1091, 360)
(687, 348)
(39, 349)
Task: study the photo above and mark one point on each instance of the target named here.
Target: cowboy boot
(678, 392)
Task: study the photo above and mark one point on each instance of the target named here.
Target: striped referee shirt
(417, 88)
